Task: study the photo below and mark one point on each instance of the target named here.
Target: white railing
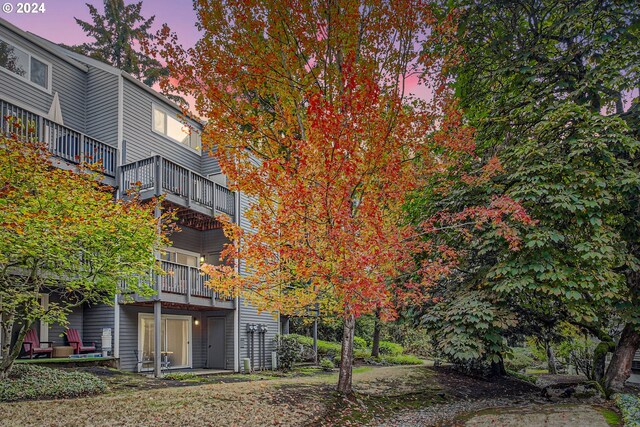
(166, 176)
(62, 141)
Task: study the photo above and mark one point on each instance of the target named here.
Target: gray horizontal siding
(68, 80)
(57, 331)
(210, 163)
(248, 313)
(141, 141)
(102, 106)
(95, 319)
(201, 242)
(129, 335)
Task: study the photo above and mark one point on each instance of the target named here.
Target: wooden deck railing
(166, 176)
(62, 141)
(186, 280)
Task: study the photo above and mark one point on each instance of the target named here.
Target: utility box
(246, 364)
(106, 342)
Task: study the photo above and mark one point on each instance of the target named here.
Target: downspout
(119, 162)
(236, 312)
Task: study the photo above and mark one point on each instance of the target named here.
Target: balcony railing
(165, 176)
(185, 280)
(62, 141)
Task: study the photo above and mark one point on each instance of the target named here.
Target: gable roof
(83, 62)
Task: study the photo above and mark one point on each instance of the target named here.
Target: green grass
(536, 371)
(31, 382)
(62, 360)
(611, 417)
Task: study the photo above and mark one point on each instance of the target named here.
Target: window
(180, 257)
(168, 125)
(23, 64)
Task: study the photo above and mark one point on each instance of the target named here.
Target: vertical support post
(189, 284)
(315, 341)
(116, 328)
(157, 330)
(189, 185)
(158, 176)
(41, 132)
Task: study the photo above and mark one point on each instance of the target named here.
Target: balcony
(182, 284)
(156, 176)
(63, 142)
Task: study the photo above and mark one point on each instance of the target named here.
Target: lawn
(385, 396)
(300, 398)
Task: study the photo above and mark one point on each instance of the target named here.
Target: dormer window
(24, 65)
(168, 125)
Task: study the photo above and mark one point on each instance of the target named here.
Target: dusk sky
(57, 23)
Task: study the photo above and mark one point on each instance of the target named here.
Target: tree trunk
(551, 359)
(346, 355)
(497, 369)
(600, 359)
(375, 344)
(10, 354)
(620, 366)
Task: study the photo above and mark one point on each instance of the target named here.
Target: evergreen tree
(119, 35)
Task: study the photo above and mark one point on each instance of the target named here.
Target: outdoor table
(62, 351)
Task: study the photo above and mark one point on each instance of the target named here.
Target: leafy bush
(401, 359)
(630, 407)
(326, 364)
(519, 359)
(390, 348)
(359, 343)
(29, 382)
(325, 348)
(289, 351)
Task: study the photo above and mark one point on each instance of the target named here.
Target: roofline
(38, 42)
(84, 62)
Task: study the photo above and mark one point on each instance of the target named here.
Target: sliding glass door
(176, 340)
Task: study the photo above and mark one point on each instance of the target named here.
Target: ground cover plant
(30, 382)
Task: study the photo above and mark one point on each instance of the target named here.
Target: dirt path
(540, 416)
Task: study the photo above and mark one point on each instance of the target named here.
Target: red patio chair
(33, 346)
(74, 341)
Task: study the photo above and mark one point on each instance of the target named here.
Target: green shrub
(326, 364)
(359, 343)
(400, 359)
(325, 348)
(30, 382)
(630, 407)
(289, 351)
(390, 348)
(519, 359)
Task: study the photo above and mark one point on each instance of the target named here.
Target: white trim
(116, 328)
(120, 133)
(44, 327)
(186, 122)
(28, 78)
(163, 316)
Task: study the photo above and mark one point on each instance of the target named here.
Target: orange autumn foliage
(310, 115)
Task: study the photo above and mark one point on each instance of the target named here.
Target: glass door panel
(176, 341)
(175, 332)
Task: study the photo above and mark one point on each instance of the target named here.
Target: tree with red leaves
(309, 109)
